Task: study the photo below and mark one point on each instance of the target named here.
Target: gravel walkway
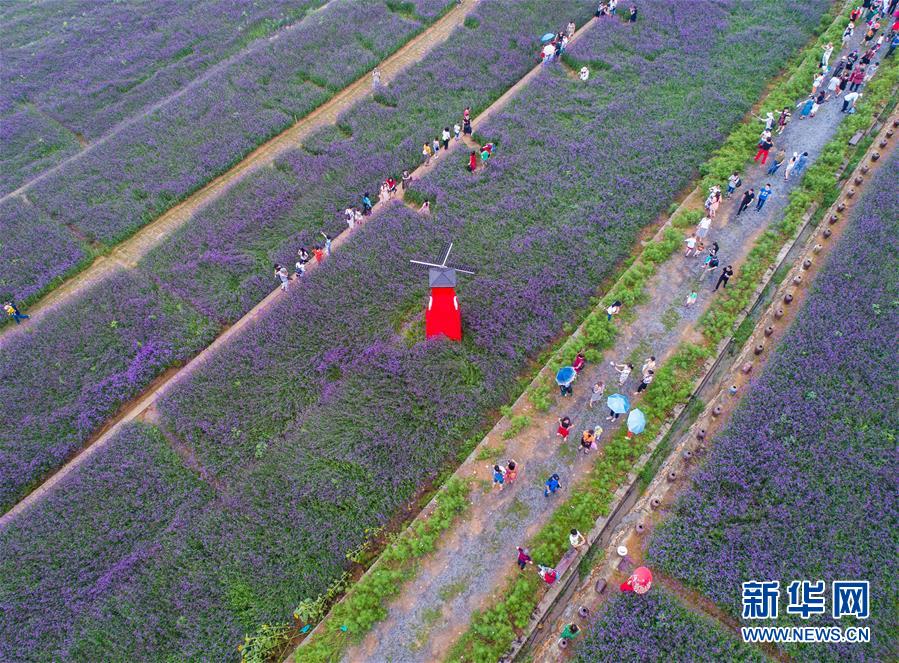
(477, 556)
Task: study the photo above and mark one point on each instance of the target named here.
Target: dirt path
(474, 561)
(128, 253)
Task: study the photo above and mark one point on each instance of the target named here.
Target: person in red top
(579, 362)
(564, 428)
(856, 79)
(391, 184)
(472, 161)
(319, 254)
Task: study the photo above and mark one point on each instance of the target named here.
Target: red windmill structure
(443, 315)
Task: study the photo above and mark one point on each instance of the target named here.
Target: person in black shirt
(725, 275)
(747, 198)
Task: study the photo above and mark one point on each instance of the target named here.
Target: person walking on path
(791, 164)
(580, 360)
(833, 85)
(733, 182)
(511, 472)
(472, 161)
(576, 539)
(764, 194)
(613, 309)
(12, 311)
(725, 277)
(712, 263)
(806, 107)
(376, 79)
(800, 164)
(426, 154)
(564, 428)
(282, 275)
(552, 485)
(405, 180)
(747, 198)
(848, 32)
(715, 203)
(783, 119)
(327, 243)
(765, 145)
(702, 228)
(894, 44)
(446, 137)
(779, 158)
(366, 204)
(302, 259)
(646, 381)
(596, 393)
(849, 102)
(624, 372)
(457, 132)
(588, 440)
(524, 558)
(691, 245)
(435, 147)
(499, 477)
(856, 78)
(570, 29)
(825, 56)
(648, 365)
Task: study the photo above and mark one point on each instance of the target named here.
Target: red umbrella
(639, 582)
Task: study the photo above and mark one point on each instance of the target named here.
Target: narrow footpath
(129, 253)
(478, 555)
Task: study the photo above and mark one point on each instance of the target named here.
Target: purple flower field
(92, 64)
(51, 250)
(769, 505)
(123, 183)
(653, 627)
(76, 365)
(329, 411)
(220, 261)
(103, 524)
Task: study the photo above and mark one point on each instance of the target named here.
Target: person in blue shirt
(800, 165)
(763, 195)
(552, 485)
(366, 204)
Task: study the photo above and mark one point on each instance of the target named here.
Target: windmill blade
(444, 254)
(461, 268)
(426, 264)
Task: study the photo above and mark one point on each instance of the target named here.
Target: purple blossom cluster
(655, 626)
(103, 524)
(74, 366)
(330, 409)
(768, 504)
(220, 261)
(52, 250)
(121, 184)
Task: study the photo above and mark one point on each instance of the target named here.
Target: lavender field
(60, 381)
(330, 410)
(76, 69)
(643, 628)
(768, 503)
(160, 156)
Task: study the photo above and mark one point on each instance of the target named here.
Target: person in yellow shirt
(14, 313)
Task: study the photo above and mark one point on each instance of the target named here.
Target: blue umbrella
(636, 422)
(549, 36)
(565, 376)
(618, 403)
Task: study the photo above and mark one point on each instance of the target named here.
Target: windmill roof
(442, 277)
